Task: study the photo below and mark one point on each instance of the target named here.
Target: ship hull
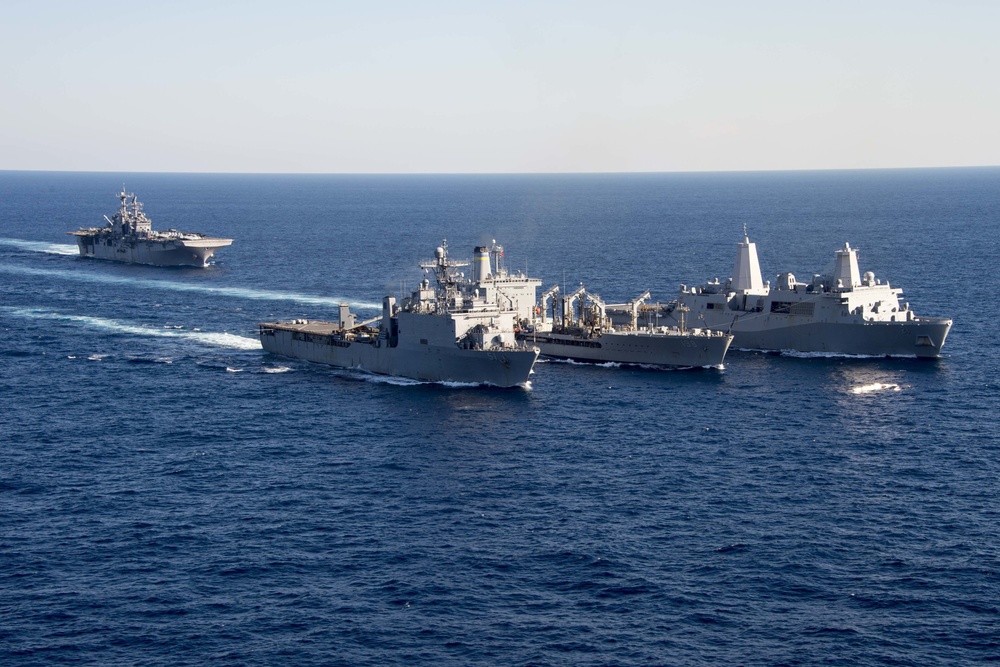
(669, 350)
(920, 337)
(433, 363)
(170, 252)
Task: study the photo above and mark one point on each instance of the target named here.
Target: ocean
(172, 495)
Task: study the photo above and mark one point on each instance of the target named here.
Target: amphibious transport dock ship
(843, 313)
(586, 333)
(452, 330)
(129, 237)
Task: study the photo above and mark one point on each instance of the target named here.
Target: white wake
(227, 340)
(147, 283)
(42, 246)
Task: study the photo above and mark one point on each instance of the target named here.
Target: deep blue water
(171, 495)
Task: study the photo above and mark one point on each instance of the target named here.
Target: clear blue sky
(389, 87)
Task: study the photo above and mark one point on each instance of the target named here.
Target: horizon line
(493, 173)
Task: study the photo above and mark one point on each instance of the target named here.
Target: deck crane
(598, 303)
(634, 306)
(567, 304)
(550, 293)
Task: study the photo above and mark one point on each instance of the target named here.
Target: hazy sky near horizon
(442, 86)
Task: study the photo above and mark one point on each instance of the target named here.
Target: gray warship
(843, 313)
(582, 332)
(129, 237)
(452, 330)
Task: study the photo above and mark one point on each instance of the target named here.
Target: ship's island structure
(843, 313)
(129, 237)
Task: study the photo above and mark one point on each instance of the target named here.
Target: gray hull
(679, 350)
(173, 252)
(506, 368)
(922, 337)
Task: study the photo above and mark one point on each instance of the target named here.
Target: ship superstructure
(844, 312)
(452, 329)
(129, 237)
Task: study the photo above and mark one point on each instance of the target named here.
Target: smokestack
(481, 264)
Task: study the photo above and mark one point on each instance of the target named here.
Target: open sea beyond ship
(170, 494)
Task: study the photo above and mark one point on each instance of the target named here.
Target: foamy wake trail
(398, 381)
(825, 355)
(619, 364)
(227, 340)
(240, 292)
(41, 246)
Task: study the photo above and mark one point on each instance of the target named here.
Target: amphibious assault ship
(845, 312)
(129, 237)
(580, 332)
(453, 329)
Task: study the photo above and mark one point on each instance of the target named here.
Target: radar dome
(439, 252)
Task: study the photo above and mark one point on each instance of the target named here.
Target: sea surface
(172, 495)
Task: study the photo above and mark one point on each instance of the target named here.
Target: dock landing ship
(846, 313)
(129, 237)
(452, 330)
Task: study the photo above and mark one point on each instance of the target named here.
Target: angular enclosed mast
(746, 270)
(846, 273)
